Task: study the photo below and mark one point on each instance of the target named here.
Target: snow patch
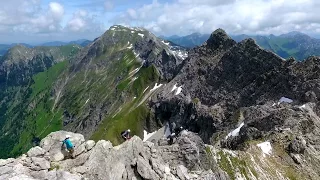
(174, 87)
(130, 47)
(112, 29)
(266, 148)
(235, 132)
(132, 32)
(156, 86)
(303, 107)
(179, 90)
(134, 97)
(284, 99)
(147, 135)
(165, 43)
(142, 35)
(180, 54)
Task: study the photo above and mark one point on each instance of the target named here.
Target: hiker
(69, 145)
(178, 130)
(126, 134)
(175, 134)
(171, 137)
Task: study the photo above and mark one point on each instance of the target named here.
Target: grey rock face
(35, 151)
(133, 159)
(52, 144)
(222, 76)
(298, 145)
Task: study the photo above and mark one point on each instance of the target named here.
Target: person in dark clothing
(171, 137)
(126, 134)
(178, 130)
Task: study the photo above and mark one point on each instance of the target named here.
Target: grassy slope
(252, 164)
(40, 120)
(108, 83)
(25, 113)
(128, 117)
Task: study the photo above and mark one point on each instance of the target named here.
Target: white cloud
(56, 10)
(235, 16)
(108, 5)
(83, 21)
(132, 13)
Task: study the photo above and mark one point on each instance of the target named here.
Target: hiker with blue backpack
(69, 145)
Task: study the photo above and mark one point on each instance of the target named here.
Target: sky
(37, 21)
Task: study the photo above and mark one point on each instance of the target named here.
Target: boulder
(90, 144)
(64, 175)
(182, 172)
(52, 144)
(145, 170)
(298, 145)
(4, 162)
(80, 149)
(42, 163)
(35, 152)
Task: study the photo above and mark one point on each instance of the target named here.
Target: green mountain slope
(26, 78)
(98, 91)
(106, 87)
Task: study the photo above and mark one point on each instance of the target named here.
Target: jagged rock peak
(220, 39)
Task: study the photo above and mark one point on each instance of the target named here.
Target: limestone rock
(80, 149)
(42, 163)
(298, 145)
(145, 170)
(36, 151)
(182, 172)
(89, 145)
(52, 144)
(134, 159)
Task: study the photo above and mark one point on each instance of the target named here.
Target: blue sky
(36, 21)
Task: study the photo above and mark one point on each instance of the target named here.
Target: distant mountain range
(82, 42)
(293, 44)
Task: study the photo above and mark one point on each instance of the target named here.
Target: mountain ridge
(292, 44)
(235, 96)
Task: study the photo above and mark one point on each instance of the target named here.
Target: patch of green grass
(146, 76)
(196, 100)
(54, 166)
(41, 120)
(230, 164)
(44, 80)
(112, 127)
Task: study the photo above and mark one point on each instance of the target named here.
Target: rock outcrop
(134, 159)
(235, 95)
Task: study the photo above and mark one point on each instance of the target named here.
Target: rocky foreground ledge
(134, 159)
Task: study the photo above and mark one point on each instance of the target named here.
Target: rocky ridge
(237, 95)
(134, 159)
